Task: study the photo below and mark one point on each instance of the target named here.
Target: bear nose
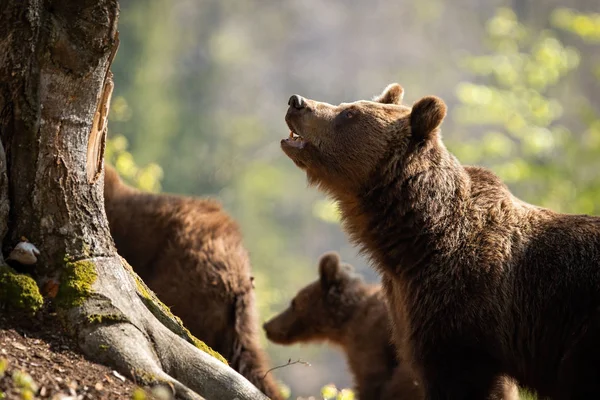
(297, 102)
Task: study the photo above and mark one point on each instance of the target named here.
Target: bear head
(319, 311)
(341, 147)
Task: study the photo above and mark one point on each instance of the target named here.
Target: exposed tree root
(115, 327)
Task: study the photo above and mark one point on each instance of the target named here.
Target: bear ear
(426, 116)
(392, 94)
(329, 268)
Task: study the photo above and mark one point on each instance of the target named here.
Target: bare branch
(290, 362)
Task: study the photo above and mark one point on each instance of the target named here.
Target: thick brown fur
(190, 253)
(482, 283)
(342, 309)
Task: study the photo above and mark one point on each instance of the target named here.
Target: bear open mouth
(295, 140)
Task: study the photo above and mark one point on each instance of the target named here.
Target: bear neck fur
(405, 211)
(418, 209)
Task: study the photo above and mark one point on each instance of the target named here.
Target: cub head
(341, 147)
(321, 309)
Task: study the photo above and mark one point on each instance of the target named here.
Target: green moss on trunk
(106, 318)
(164, 315)
(19, 291)
(76, 283)
(205, 348)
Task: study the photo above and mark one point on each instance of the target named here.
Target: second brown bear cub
(341, 308)
(190, 253)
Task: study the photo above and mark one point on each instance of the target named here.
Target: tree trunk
(55, 89)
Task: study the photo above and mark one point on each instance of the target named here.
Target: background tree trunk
(55, 88)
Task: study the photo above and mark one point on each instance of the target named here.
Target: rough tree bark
(55, 89)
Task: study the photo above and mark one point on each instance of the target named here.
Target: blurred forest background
(202, 88)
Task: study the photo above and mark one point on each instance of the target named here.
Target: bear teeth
(295, 136)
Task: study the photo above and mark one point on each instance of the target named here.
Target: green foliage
(25, 383)
(3, 366)
(330, 392)
(519, 121)
(586, 26)
(19, 291)
(145, 178)
(139, 394)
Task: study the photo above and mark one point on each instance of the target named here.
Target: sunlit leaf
(345, 394)
(329, 392)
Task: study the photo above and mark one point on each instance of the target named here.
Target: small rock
(118, 375)
(19, 346)
(41, 355)
(99, 386)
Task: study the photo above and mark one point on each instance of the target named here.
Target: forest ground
(39, 360)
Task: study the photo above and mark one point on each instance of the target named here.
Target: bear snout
(267, 327)
(274, 332)
(297, 102)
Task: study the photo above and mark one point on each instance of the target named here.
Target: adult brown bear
(190, 253)
(483, 283)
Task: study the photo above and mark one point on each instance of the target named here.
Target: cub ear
(426, 116)
(329, 268)
(392, 94)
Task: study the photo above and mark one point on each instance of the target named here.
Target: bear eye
(348, 114)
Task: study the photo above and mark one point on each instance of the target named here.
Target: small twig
(290, 362)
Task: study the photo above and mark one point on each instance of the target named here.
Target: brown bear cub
(482, 283)
(190, 253)
(341, 308)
